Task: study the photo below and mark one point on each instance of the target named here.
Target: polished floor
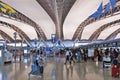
(56, 70)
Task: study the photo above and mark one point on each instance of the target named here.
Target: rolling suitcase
(115, 71)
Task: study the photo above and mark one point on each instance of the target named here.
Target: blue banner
(53, 38)
(107, 8)
(113, 2)
(59, 41)
(97, 14)
(94, 15)
(100, 8)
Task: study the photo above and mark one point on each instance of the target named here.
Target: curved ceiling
(76, 12)
(30, 31)
(118, 36)
(1, 37)
(6, 36)
(8, 31)
(35, 12)
(89, 29)
(104, 34)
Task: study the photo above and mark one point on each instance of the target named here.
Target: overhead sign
(53, 38)
(35, 41)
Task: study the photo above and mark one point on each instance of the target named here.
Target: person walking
(67, 56)
(78, 55)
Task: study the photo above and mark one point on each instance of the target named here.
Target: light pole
(15, 36)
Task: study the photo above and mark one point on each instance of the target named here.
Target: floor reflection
(69, 71)
(55, 69)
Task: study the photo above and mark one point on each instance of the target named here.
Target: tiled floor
(56, 70)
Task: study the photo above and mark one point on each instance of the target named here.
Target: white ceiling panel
(88, 31)
(81, 10)
(8, 31)
(118, 36)
(1, 37)
(34, 11)
(29, 30)
(104, 34)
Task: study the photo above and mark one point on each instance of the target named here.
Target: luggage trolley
(106, 62)
(37, 68)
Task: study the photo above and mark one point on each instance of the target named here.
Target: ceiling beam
(78, 32)
(57, 10)
(6, 36)
(21, 17)
(37, 28)
(113, 35)
(96, 34)
(15, 28)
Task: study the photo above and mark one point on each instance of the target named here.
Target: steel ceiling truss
(113, 35)
(6, 36)
(15, 28)
(22, 18)
(37, 28)
(78, 32)
(96, 34)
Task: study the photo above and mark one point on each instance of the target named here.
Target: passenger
(74, 52)
(107, 52)
(96, 52)
(119, 59)
(78, 55)
(85, 54)
(111, 53)
(67, 55)
(71, 59)
(100, 54)
(40, 60)
(106, 61)
(34, 56)
(82, 54)
(115, 53)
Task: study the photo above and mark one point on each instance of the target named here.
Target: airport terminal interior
(59, 39)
